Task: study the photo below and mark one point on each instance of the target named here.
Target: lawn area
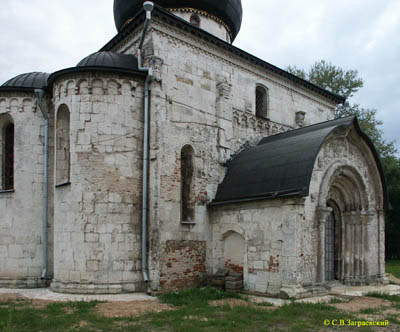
(196, 310)
(393, 267)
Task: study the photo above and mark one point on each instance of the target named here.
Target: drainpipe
(39, 95)
(148, 7)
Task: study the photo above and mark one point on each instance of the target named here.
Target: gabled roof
(282, 165)
(176, 21)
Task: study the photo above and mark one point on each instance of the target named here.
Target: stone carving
(300, 117)
(224, 89)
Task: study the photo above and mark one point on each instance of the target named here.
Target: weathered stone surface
(202, 96)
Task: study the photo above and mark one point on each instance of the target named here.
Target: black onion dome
(26, 82)
(110, 60)
(229, 11)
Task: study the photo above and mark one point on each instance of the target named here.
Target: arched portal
(344, 228)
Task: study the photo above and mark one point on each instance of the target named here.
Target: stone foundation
(23, 283)
(102, 288)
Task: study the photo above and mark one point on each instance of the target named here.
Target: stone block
(261, 287)
(92, 266)
(222, 272)
(91, 237)
(75, 276)
(234, 285)
(258, 265)
(217, 282)
(3, 252)
(16, 251)
(118, 265)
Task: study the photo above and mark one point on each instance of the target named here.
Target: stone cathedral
(170, 155)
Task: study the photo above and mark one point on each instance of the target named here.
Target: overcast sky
(49, 35)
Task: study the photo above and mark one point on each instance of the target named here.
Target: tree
(331, 78)
(370, 125)
(347, 83)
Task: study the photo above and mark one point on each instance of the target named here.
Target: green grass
(371, 311)
(54, 317)
(391, 298)
(393, 267)
(192, 312)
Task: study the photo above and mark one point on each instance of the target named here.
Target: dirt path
(131, 309)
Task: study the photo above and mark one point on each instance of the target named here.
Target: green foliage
(370, 125)
(392, 235)
(196, 296)
(346, 83)
(393, 267)
(332, 78)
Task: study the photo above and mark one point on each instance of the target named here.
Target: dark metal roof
(26, 82)
(103, 61)
(229, 11)
(109, 59)
(282, 165)
(182, 24)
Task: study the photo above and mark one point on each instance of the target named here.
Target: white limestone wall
(204, 97)
(97, 216)
(211, 24)
(273, 242)
(192, 69)
(21, 210)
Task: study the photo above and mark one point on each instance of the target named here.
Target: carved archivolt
(349, 173)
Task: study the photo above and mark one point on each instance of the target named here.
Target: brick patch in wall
(183, 264)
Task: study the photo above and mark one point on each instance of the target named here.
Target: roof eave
(266, 196)
(20, 89)
(73, 70)
(179, 22)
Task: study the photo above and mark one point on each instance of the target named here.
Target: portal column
(347, 248)
(381, 246)
(322, 214)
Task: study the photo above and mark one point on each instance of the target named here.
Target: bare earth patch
(360, 303)
(131, 309)
(11, 297)
(238, 303)
(393, 279)
(36, 304)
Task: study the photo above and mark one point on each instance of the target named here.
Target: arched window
(195, 20)
(187, 184)
(62, 146)
(7, 151)
(261, 102)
